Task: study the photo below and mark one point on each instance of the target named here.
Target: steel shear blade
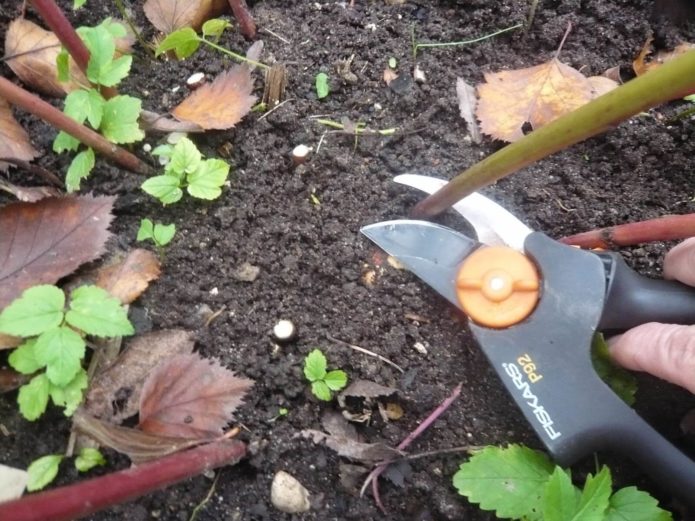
(534, 314)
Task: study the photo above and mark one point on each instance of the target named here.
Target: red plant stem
(241, 12)
(666, 228)
(92, 495)
(35, 105)
(374, 474)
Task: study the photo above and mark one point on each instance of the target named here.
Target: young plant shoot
(322, 87)
(159, 234)
(323, 382)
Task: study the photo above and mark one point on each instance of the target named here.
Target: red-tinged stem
(35, 105)
(241, 12)
(666, 228)
(92, 495)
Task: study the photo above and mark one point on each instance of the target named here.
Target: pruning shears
(534, 306)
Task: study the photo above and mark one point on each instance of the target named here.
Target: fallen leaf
(601, 85)
(613, 74)
(156, 122)
(29, 194)
(190, 397)
(128, 278)
(32, 53)
(535, 95)
(467, 103)
(11, 380)
(640, 64)
(389, 75)
(114, 393)
(365, 389)
(44, 241)
(14, 141)
(137, 445)
(12, 483)
(8, 342)
(169, 15)
(220, 104)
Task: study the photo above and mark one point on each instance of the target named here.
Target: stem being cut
(86, 497)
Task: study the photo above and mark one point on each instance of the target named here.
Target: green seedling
(44, 470)
(418, 45)
(78, 3)
(88, 458)
(322, 382)
(520, 483)
(322, 87)
(160, 234)
(393, 63)
(360, 129)
(53, 342)
(185, 42)
(202, 178)
(116, 118)
(282, 412)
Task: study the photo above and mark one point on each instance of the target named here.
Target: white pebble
(289, 495)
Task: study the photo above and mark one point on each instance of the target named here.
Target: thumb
(663, 350)
(679, 262)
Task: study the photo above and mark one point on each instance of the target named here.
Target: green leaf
(120, 120)
(322, 88)
(321, 390)
(146, 230)
(78, 3)
(163, 151)
(215, 27)
(102, 68)
(206, 181)
(163, 233)
(511, 481)
(42, 471)
(63, 65)
(23, 359)
(38, 309)
(185, 158)
(335, 380)
(163, 187)
(115, 28)
(33, 397)
(83, 105)
(632, 504)
(623, 383)
(183, 42)
(594, 499)
(560, 498)
(94, 311)
(70, 395)
(65, 142)
(315, 366)
(61, 350)
(88, 458)
(79, 168)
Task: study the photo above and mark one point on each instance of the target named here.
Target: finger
(679, 263)
(663, 350)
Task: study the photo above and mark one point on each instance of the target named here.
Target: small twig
(321, 139)
(366, 352)
(206, 499)
(358, 130)
(124, 14)
(564, 38)
(373, 476)
(531, 15)
(266, 30)
(275, 108)
(430, 453)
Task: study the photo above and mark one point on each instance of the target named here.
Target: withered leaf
(220, 104)
(14, 141)
(44, 241)
(32, 53)
(151, 121)
(126, 279)
(11, 380)
(114, 393)
(8, 342)
(169, 15)
(467, 103)
(137, 445)
(352, 449)
(537, 95)
(366, 389)
(190, 397)
(642, 64)
(29, 194)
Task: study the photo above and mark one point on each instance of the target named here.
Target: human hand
(663, 350)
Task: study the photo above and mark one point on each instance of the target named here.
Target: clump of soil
(300, 226)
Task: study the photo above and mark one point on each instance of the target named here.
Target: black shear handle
(632, 299)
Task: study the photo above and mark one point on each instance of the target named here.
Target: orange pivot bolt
(497, 286)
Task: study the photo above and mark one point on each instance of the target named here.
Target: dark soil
(312, 257)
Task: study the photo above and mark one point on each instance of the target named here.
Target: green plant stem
(35, 105)
(417, 46)
(129, 21)
(234, 55)
(672, 80)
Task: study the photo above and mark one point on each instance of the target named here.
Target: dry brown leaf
(640, 64)
(389, 75)
(114, 393)
(151, 121)
(601, 85)
(11, 380)
(8, 342)
(169, 15)
(190, 397)
(536, 95)
(467, 103)
(221, 104)
(44, 241)
(137, 445)
(29, 194)
(32, 53)
(126, 279)
(14, 141)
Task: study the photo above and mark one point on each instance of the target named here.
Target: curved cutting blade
(494, 225)
(431, 251)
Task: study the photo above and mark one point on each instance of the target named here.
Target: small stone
(247, 272)
(419, 75)
(214, 292)
(195, 80)
(288, 495)
(147, 148)
(420, 348)
(300, 154)
(284, 331)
